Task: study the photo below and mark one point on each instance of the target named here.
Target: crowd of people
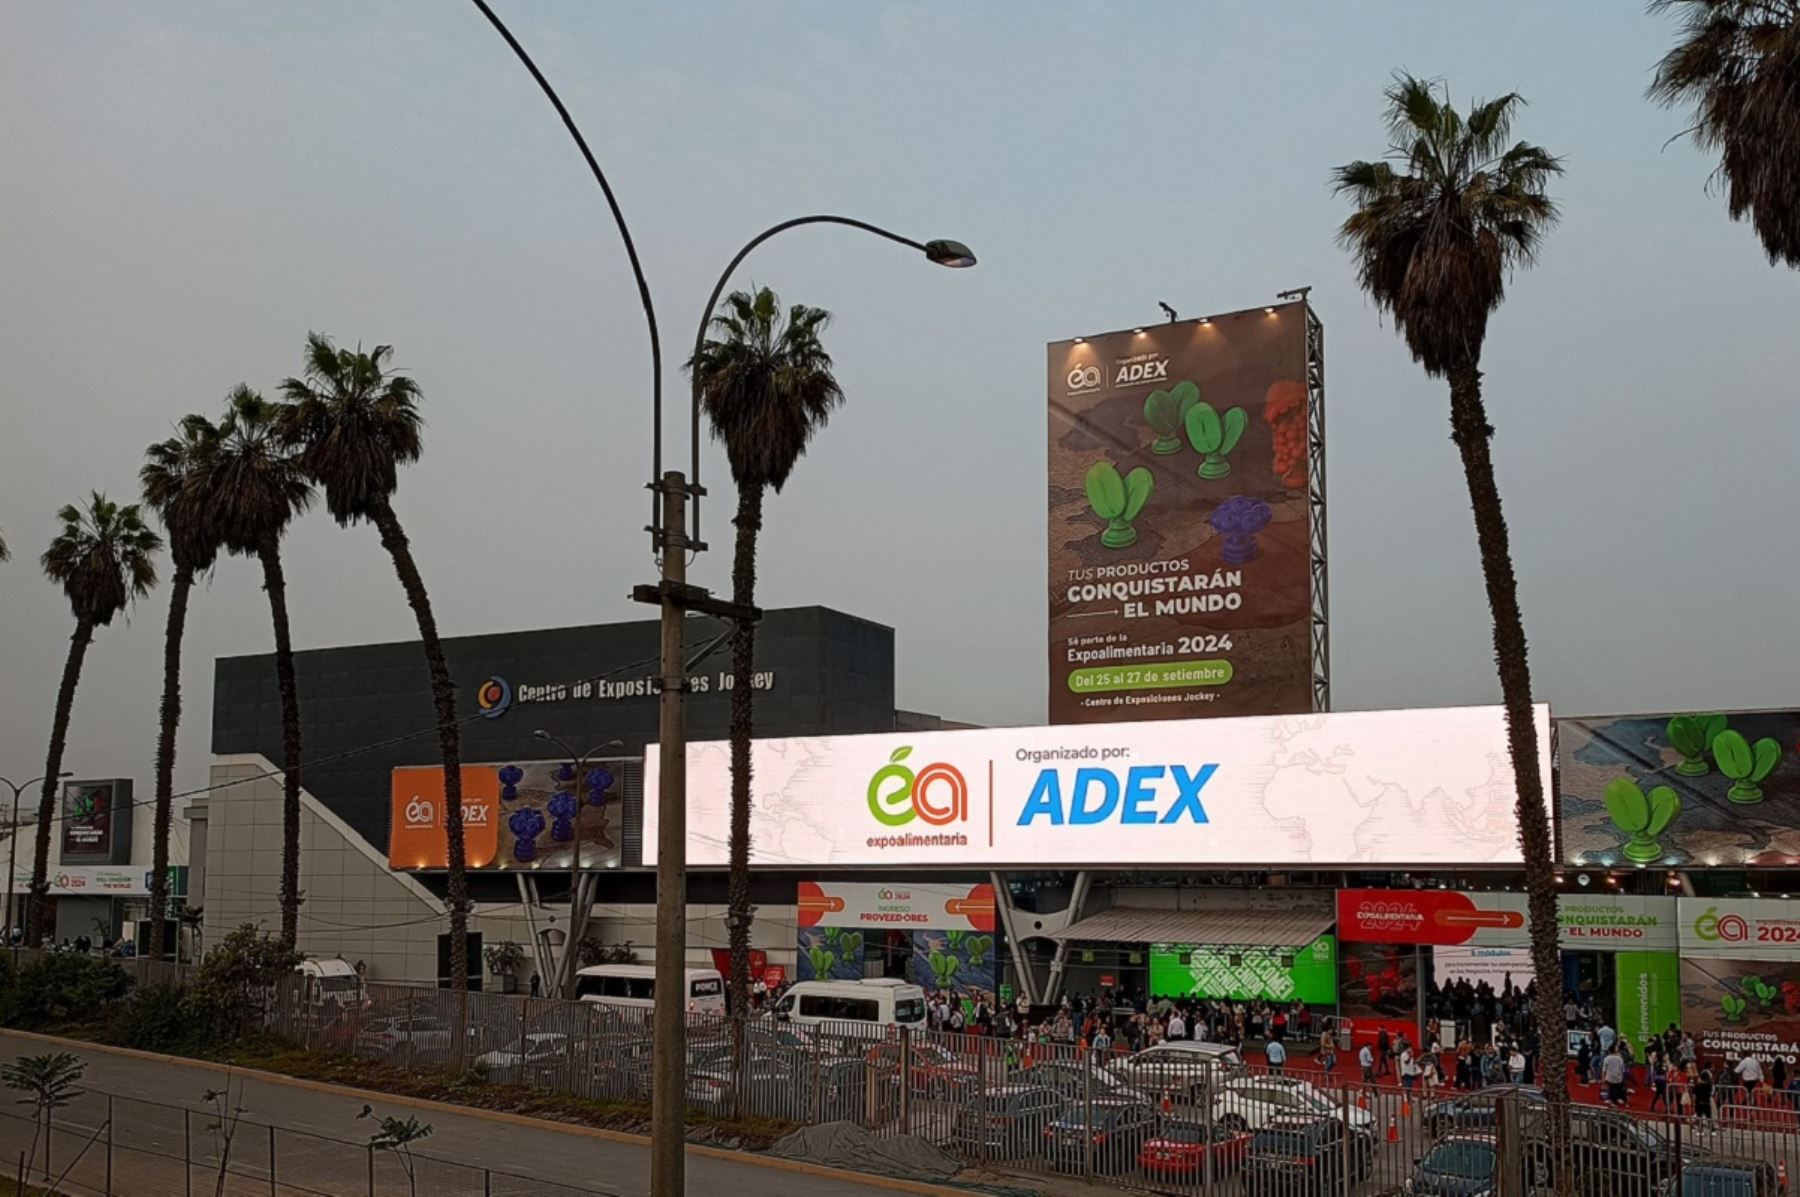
(81, 944)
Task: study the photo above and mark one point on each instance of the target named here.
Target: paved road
(308, 1165)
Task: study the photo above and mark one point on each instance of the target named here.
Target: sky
(187, 189)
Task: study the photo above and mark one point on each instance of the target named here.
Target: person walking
(1384, 1049)
(1366, 1058)
(1409, 1068)
(1515, 1065)
(1659, 1083)
(1328, 1051)
(1703, 1095)
(1277, 1056)
(1612, 1073)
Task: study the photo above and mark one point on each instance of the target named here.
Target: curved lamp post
(672, 541)
(12, 846)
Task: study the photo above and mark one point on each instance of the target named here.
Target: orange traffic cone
(1781, 1176)
(1406, 1107)
(1393, 1130)
(1168, 1102)
(1362, 1100)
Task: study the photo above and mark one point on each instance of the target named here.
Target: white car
(1249, 1102)
(523, 1059)
(1184, 1068)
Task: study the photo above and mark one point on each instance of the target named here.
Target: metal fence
(141, 969)
(1174, 1118)
(104, 1145)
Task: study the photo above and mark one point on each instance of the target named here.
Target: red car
(935, 1071)
(1179, 1151)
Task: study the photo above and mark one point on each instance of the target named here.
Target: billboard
(860, 904)
(1248, 974)
(523, 815)
(1180, 528)
(1498, 967)
(1351, 788)
(1720, 790)
(96, 821)
(1454, 918)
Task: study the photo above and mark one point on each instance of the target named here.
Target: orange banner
(416, 818)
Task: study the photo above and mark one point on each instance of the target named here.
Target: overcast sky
(186, 189)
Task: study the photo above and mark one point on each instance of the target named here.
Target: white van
(332, 980)
(634, 985)
(875, 1004)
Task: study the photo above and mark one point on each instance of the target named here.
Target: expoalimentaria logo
(936, 794)
(1713, 927)
(1393, 916)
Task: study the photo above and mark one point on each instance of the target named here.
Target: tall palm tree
(1439, 224)
(1737, 64)
(354, 422)
(104, 560)
(173, 478)
(5, 553)
(254, 488)
(767, 386)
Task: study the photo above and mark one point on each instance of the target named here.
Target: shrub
(62, 987)
(154, 1018)
(227, 993)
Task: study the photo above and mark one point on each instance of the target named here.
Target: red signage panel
(1425, 916)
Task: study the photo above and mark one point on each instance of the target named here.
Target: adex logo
(1713, 927)
(1098, 795)
(938, 793)
(1084, 378)
(1152, 370)
(493, 697)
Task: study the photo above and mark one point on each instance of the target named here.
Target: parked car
(1610, 1151)
(528, 1058)
(1075, 1081)
(1303, 1156)
(1108, 1131)
(1714, 1176)
(1183, 1067)
(1179, 1151)
(787, 1086)
(1247, 1103)
(430, 1038)
(934, 1071)
(1461, 1164)
(1478, 1110)
(1007, 1120)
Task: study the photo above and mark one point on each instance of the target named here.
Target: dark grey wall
(367, 709)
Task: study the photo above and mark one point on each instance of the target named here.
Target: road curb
(774, 1163)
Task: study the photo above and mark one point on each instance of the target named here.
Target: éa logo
(1711, 927)
(938, 793)
(420, 813)
(1084, 378)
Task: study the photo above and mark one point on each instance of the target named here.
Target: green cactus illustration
(1745, 764)
(1166, 412)
(1734, 1008)
(850, 946)
(1693, 736)
(1641, 817)
(1755, 987)
(1213, 437)
(832, 935)
(943, 968)
(1118, 500)
(977, 948)
(955, 938)
(822, 962)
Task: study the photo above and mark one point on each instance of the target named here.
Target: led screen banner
(1681, 789)
(523, 815)
(1359, 787)
(1303, 974)
(1499, 921)
(1736, 1007)
(96, 821)
(1180, 544)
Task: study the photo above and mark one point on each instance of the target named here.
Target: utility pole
(668, 1098)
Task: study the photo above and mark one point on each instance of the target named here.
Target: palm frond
(354, 422)
(103, 559)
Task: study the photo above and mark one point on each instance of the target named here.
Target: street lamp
(578, 762)
(12, 845)
(672, 541)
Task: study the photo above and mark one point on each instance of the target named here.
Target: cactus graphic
(526, 825)
(977, 948)
(1693, 736)
(510, 777)
(1166, 413)
(562, 808)
(1746, 765)
(1734, 1008)
(850, 946)
(1755, 987)
(955, 938)
(1118, 500)
(821, 961)
(943, 968)
(1641, 817)
(1213, 437)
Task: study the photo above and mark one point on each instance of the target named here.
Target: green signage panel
(1307, 974)
(1649, 993)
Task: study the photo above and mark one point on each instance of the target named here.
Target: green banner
(1307, 974)
(1649, 993)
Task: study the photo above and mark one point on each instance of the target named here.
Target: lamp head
(953, 254)
(541, 734)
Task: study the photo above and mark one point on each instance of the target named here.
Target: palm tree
(173, 481)
(254, 488)
(767, 386)
(1738, 64)
(1439, 224)
(354, 423)
(104, 561)
(5, 553)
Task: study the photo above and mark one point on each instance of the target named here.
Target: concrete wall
(354, 907)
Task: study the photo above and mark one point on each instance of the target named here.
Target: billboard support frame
(1315, 495)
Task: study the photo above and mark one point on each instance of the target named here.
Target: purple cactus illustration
(510, 777)
(1238, 520)
(526, 824)
(598, 782)
(565, 773)
(562, 807)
